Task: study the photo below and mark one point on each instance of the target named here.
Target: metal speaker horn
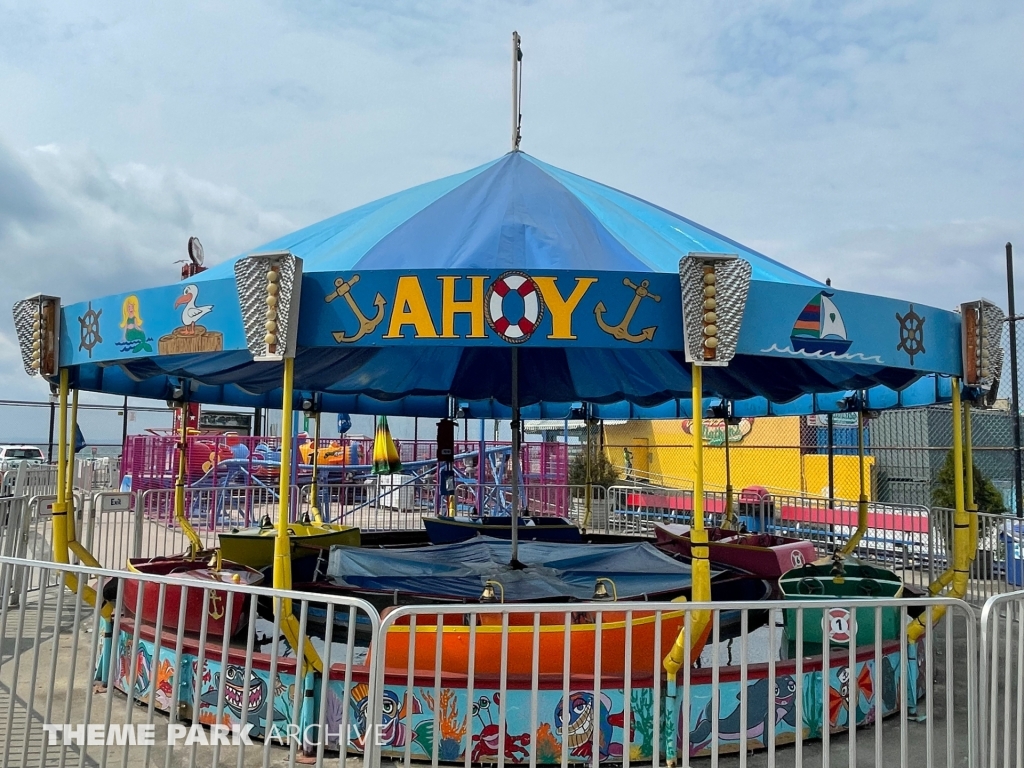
(37, 324)
(269, 286)
(981, 333)
(715, 288)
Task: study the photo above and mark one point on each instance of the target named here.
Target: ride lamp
(715, 288)
(268, 292)
(37, 323)
(981, 332)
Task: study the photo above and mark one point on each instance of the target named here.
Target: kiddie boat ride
(216, 571)
(254, 546)
(513, 284)
(448, 530)
(840, 579)
(479, 571)
(763, 554)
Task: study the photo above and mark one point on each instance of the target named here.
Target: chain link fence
(906, 451)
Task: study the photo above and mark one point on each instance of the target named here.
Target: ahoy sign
(604, 309)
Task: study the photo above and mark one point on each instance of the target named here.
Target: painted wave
(820, 355)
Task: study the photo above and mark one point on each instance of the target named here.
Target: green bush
(987, 496)
(602, 471)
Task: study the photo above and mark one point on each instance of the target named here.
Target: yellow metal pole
(195, 544)
(700, 566)
(314, 499)
(69, 475)
(76, 548)
(699, 536)
(961, 530)
(972, 503)
(729, 520)
(60, 506)
(862, 501)
(282, 543)
(61, 544)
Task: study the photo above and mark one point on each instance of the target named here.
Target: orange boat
(455, 641)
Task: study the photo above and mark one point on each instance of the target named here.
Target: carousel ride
(531, 290)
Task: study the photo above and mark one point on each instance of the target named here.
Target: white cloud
(72, 226)
(876, 143)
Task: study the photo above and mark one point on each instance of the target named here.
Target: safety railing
(584, 683)
(551, 684)
(147, 677)
(1002, 680)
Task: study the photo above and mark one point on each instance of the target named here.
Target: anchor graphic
(216, 607)
(621, 331)
(343, 289)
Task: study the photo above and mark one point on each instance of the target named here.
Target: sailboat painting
(820, 328)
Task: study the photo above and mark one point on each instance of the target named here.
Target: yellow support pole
(84, 555)
(972, 503)
(195, 544)
(60, 506)
(70, 472)
(700, 565)
(862, 501)
(956, 577)
(314, 500)
(729, 521)
(282, 543)
(61, 549)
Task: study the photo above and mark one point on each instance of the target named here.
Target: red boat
(205, 574)
(761, 554)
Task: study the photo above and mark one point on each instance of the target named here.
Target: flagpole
(517, 56)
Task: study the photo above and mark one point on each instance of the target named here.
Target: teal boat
(841, 579)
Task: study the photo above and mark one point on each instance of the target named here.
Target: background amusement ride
(514, 290)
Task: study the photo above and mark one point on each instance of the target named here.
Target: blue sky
(875, 143)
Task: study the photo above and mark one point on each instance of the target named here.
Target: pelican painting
(191, 314)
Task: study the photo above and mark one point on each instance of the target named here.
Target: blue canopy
(419, 296)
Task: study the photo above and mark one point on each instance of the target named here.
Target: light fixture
(715, 288)
(37, 322)
(268, 290)
(981, 334)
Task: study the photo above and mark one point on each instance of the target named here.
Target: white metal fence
(1002, 681)
(62, 661)
(577, 683)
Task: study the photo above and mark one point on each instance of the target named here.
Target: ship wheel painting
(820, 328)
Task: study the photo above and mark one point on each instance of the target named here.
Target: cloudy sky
(875, 143)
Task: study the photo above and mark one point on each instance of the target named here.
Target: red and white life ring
(514, 330)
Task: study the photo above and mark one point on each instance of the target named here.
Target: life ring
(533, 307)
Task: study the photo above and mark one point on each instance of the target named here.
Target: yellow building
(779, 453)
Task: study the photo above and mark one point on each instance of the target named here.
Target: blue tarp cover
(554, 571)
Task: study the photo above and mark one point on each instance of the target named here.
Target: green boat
(841, 580)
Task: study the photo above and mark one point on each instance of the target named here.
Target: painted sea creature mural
(487, 743)
(451, 725)
(135, 339)
(191, 337)
(759, 712)
(820, 327)
(392, 731)
(260, 700)
(583, 720)
(839, 696)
